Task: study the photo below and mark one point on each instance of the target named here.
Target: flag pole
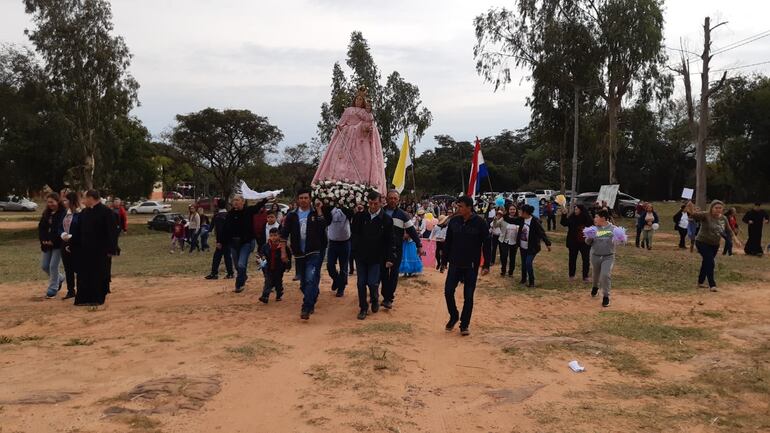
(414, 179)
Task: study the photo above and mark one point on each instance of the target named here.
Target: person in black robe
(755, 219)
(96, 242)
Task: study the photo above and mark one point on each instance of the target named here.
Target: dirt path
(229, 363)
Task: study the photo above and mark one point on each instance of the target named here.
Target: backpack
(339, 228)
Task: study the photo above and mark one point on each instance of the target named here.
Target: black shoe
(304, 315)
(388, 305)
(606, 301)
(375, 308)
(69, 295)
(502, 274)
(362, 315)
(450, 325)
(212, 277)
(334, 289)
(278, 296)
(594, 291)
(465, 331)
(239, 289)
(522, 281)
(229, 276)
(264, 299)
(531, 285)
(340, 293)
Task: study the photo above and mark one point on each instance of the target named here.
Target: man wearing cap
(401, 223)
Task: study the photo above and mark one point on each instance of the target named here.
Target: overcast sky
(275, 58)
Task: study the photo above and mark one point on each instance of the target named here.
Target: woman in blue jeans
(50, 229)
(713, 226)
(531, 233)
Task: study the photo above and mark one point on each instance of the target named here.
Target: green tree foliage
(34, 135)
(396, 105)
(223, 142)
(128, 169)
(87, 70)
(614, 45)
(740, 137)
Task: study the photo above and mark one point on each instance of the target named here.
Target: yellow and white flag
(404, 161)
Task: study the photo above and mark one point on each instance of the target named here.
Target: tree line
(65, 113)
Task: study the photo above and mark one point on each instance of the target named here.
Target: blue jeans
(368, 277)
(527, 266)
(194, 240)
(216, 260)
(240, 256)
(708, 253)
(309, 272)
(468, 277)
(205, 237)
(339, 251)
(49, 263)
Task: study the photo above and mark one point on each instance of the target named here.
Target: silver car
(15, 203)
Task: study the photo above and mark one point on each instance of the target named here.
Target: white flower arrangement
(343, 194)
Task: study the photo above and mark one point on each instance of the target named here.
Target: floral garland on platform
(344, 194)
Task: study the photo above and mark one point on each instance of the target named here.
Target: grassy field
(665, 268)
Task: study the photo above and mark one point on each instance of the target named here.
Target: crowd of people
(379, 241)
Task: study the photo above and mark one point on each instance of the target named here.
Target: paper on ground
(577, 368)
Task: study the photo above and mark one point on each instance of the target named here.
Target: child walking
(603, 237)
(439, 236)
(178, 236)
(410, 262)
(273, 267)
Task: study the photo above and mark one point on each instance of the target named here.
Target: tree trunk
(703, 121)
(613, 107)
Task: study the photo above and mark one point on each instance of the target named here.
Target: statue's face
(360, 102)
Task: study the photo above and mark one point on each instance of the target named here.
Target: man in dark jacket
(223, 248)
(373, 250)
(305, 232)
(530, 234)
(96, 240)
(402, 222)
(240, 237)
(467, 238)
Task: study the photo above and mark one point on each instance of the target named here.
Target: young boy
(178, 235)
(602, 255)
(274, 266)
(272, 223)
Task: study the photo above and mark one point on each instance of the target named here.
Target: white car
(545, 194)
(150, 207)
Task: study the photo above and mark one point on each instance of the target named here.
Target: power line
(731, 46)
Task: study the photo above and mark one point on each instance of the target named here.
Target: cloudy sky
(275, 58)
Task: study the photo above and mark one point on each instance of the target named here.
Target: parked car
(163, 222)
(207, 203)
(521, 197)
(172, 195)
(545, 194)
(150, 207)
(624, 204)
(16, 203)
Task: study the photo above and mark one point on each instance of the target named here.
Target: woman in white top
(194, 227)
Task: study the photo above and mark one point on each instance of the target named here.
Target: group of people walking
(83, 238)
(377, 239)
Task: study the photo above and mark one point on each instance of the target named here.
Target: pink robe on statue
(355, 152)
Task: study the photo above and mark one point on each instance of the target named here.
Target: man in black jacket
(373, 249)
(97, 241)
(305, 232)
(223, 249)
(239, 235)
(467, 238)
(402, 222)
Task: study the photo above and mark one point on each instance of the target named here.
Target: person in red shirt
(178, 235)
(273, 266)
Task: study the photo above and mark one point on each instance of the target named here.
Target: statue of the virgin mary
(354, 154)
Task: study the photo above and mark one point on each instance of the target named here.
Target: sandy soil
(187, 355)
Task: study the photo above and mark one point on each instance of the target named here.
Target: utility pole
(575, 150)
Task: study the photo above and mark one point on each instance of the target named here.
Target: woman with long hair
(576, 221)
(69, 256)
(713, 226)
(530, 234)
(508, 242)
(49, 233)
